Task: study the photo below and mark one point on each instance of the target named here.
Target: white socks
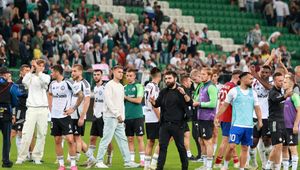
(269, 164)
(294, 162)
(61, 160)
(189, 153)
(132, 154)
(204, 160)
(73, 160)
(209, 161)
(90, 152)
(285, 163)
(154, 159)
(147, 161)
(226, 164)
(277, 166)
(142, 156)
(253, 156)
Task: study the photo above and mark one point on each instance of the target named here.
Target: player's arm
(229, 98)
(45, 80)
(109, 103)
(50, 97)
(157, 112)
(276, 97)
(266, 85)
(296, 101)
(257, 110)
(140, 94)
(222, 109)
(27, 79)
(213, 98)
(158, 102)
(86, 101)
(78, 101)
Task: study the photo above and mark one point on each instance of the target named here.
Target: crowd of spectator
(40, 30)
(278, 13)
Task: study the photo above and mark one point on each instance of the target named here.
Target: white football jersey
(98, 100)
(151, 90)
(61, 97)
(263, 95)
(85, 87)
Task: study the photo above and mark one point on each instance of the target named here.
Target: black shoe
(7, 165)
(192, 158)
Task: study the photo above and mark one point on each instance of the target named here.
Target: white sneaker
(100, 165)
(218, 166)
(90, 163)
(131, 165)
(201, 168)
(19, 162)
(153, 167)
(37, 162)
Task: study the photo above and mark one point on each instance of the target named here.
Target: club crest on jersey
(100, 92)
(62, 88)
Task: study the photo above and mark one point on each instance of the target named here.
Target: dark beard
(97, 81)
(249, 86)
(170, 85)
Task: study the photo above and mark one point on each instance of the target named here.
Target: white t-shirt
(61, 97)
(230, 60)
(232, 94)
(263, 95)
(85, 87)
(146, 53)
(98, 101)
(151, 90)
(175, 61)
(279, 6)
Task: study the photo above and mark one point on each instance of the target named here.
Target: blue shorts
(280, 18)
(241, 135)
(225, 126)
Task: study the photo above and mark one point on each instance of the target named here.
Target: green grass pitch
(172, 162)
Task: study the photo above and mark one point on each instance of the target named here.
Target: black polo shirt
(172, 105)
(276, 104)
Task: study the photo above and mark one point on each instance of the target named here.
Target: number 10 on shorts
(232, 137)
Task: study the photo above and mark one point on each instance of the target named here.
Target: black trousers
(166, 131)
(5, 127)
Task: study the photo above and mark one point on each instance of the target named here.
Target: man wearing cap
(8, 99)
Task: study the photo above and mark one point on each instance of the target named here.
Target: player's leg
(109, 154)
(225, 127)
(59, 150)
(42, 126)
(149, 145)
(129, 131)
(285, 157)
(295, 157)
(28, 130)
(195, 133)
(109, 128)
(292, 140)
(215, 139)
(153, 134)
(243, 157)
(72, 149)
(277, 137)
(234, 139)
(177, 132)
(139, 133)
(187, 137)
